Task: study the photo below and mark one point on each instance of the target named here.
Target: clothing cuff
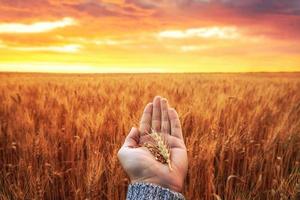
(151, 191)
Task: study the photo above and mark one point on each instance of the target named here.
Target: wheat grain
(159, 148)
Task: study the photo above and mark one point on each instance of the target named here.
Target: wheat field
(59, 134)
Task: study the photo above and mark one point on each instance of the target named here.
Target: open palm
(140, 164)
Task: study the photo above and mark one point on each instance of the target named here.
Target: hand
(140, 164)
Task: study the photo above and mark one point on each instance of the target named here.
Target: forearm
(143, 191)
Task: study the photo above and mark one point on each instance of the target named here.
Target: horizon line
(149, 72)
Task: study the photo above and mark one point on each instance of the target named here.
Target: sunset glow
(149, 36)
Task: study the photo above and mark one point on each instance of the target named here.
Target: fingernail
(157, 97)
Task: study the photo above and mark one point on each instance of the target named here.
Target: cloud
(150, 32)
(153, 4)
(193, 48)
(291, 7)
(248, 6)
(208, 32)
(45, 9)
(106, 8)
(110, 42)
(2, 45)
(69, 48)
(145, 4)
(60, 2)
(23, 4)
(37, 27)
(93, 8)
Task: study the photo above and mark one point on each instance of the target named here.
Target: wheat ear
(159, 148)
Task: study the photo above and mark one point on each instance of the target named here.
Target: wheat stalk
(159, 148)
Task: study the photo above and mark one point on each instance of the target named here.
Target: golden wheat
(59, 134)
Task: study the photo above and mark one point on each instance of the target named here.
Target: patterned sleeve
(149, 191)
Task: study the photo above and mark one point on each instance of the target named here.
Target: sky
(91, 36)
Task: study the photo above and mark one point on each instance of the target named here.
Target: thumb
(132, 138)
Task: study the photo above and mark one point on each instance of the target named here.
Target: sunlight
(73, 68)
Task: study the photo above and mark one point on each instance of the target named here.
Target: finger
(132, 138)
(156, 114)
(175, 123)
(165, 122)
(145, 124)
